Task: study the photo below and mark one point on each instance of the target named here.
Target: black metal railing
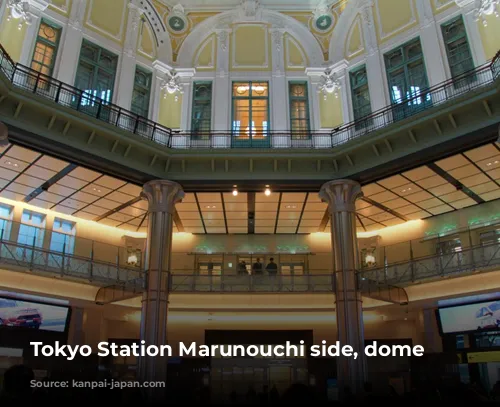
(89, 104)
(485, 257)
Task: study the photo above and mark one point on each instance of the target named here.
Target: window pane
(202, 109)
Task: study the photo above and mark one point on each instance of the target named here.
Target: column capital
(162, 195)
(341, 195)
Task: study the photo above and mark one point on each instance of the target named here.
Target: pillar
(375, 68)
(341, 196)
(279, 95)
(128, 61)
(430, 34)
(221, 87)
(71, 43)
(162, 196)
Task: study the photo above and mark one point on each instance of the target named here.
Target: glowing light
(267, 192)
(235, 190)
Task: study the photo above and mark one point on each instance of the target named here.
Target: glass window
(201, 116)
(46, 45)
(141, 92)
(32, 230)
(63, 236)
(360, 95)
(299, 110)
(407, 78)
(457, 46)
(5, 221)
(250, 123)
(95, 74)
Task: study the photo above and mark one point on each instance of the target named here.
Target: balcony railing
(23, 257)
(463, 261)
(85, 102)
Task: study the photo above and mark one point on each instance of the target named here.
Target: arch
(341, 31)
(276, 19)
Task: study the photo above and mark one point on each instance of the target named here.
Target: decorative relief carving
(223, 39)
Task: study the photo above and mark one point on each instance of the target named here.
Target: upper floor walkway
(61, 119)
(121, 275)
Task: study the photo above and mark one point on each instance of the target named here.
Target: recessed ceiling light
(493, 163)
(97, 190)
(406, 190)
(291, 207)
(210, 206)
(12, 163)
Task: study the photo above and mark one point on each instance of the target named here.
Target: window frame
(193, 104)
(305, 98)
(46, 42)
(149, 74)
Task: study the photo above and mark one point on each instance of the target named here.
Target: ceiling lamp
(172, 85)
(267, 192)
(235, 190)
(329, 84)
(19, 10)
(486, 8)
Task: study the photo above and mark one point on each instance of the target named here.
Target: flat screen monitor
(477, 317)
(22, 314)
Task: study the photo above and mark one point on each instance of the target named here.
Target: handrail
(467, 260)
(80, 100)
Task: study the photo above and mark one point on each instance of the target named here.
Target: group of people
(258, 268)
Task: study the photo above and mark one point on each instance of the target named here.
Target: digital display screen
(481, 316)
(15, 313)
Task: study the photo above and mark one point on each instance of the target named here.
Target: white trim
(356, 24)
(265, 64)
(64, 9)
(145, 26)
(275, 19)
(201, 48)
(90, 24)
(288, 63)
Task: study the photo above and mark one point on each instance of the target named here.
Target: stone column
(430, 34)
(162, 196)
(280, 114)
(126, 77)
(71, 43)
(375, 68)
(341, 196)
(221, 87)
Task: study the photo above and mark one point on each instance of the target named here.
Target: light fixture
(19, 10)
(370, 260)
(486, 8)
(235, 190)
(210, 206)
(492, 163)
(291, 207)
(12, 163)
(406, 190)
(172, 85)
(132, 259)
(267, 192)
(329, 84)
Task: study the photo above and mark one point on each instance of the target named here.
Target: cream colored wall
(490, 36)
(394, 17)
(11, 37)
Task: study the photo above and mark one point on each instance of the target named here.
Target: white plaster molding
(290, 64)
(64, 8)
(226, 19)
(341, 29)
(118, 37)
(211, 64)
(77, 14)
(132, 34)
(355, 26)
(140, 50)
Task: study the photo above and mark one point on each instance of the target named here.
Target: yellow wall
(170, 112)
(250, 48)
(354, 45)
(393, 17)
(11, 37)
(490, 36)
(330, 111)
(108, 18)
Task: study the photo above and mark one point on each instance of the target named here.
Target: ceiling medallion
(19, 10)
(177, 21)
(323, 22)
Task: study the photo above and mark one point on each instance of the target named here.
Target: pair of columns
(340, 195)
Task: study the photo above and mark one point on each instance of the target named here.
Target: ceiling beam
(302, 212)
(456, 183)
(224, 211)
(47, 184)
(142, 221)
(361, 222)
(177, 220)
(200, 212)
(118, 209)
(5, 151)
(385, 208)
(324, 220)
(251, 212)
(278, 213)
